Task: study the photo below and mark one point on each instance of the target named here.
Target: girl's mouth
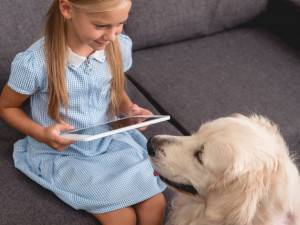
(101, 43)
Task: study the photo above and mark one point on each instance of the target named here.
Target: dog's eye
(198, 154)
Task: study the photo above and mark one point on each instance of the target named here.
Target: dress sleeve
(126, 50)
(25, 74)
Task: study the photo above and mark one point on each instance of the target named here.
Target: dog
(235, 170)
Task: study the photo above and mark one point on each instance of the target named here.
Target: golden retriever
(237, 171)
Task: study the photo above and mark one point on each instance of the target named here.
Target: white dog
(237, 170)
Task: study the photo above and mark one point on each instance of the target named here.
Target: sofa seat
(245, 70)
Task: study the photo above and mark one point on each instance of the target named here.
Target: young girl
(74, 77)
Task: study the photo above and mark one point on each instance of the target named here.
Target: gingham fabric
(97, 176)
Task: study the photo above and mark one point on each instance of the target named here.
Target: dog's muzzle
(153, 145)
(156, 144)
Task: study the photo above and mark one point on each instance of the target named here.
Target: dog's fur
(238, 170)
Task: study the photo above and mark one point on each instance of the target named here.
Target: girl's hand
(135, 110)
(50, 136)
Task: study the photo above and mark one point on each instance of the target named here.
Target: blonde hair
(56, 52)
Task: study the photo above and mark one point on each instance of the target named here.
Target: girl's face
(88, 32)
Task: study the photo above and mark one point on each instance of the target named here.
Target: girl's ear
(65, 9)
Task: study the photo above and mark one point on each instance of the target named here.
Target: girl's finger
(63, 141)
(65, 126)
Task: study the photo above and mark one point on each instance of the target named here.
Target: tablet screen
(113, 127)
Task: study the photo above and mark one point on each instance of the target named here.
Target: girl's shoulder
(124, 40)
(34, 52)
(32, 59)
(126, 50)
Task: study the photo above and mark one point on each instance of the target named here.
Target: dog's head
(228, 163)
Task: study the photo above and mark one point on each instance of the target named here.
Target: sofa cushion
(165, 21)
(155, 129)
(245, 70)
(294, 2)
(20, 24)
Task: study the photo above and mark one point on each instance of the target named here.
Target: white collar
(77, 60)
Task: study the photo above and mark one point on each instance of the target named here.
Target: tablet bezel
(82, 137)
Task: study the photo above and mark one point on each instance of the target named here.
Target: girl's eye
(100, 26)
(105, 26)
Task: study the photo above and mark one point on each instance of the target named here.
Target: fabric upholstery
(246, 70)
(295, 2)
(21, 22)
(163, 22)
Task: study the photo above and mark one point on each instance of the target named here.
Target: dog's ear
(238, 115)
(265, 122)
(234, 199)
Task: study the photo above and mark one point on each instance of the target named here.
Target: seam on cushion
(157, 106)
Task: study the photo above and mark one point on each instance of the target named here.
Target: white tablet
(113, 127)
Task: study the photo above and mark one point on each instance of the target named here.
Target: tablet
(113, 127)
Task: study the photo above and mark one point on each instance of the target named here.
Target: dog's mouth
(181, 187)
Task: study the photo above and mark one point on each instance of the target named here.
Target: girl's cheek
(119, 29)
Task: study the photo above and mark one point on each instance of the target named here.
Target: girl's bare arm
(11, 112)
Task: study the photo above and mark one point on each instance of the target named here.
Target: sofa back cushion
(20, 25)
(156, 22)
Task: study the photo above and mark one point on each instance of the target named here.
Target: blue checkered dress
(98, 176)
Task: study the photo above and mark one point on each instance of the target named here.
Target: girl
(74, 77)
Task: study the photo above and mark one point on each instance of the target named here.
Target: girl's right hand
(51, 136)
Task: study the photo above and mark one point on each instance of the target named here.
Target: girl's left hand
(135, 110)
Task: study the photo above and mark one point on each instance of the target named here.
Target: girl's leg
(151, 211)
(125, 216)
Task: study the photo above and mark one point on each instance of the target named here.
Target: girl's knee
(151, 211)
(155, 204)
(125, 216)
(160, 201)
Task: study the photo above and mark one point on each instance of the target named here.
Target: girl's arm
(127, 108)
(125, 105)
(11, 112)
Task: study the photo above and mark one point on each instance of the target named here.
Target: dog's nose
(151, 151)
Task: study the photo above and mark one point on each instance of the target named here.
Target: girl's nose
(110, 35)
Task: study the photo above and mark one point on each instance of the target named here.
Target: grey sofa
(195, 60)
